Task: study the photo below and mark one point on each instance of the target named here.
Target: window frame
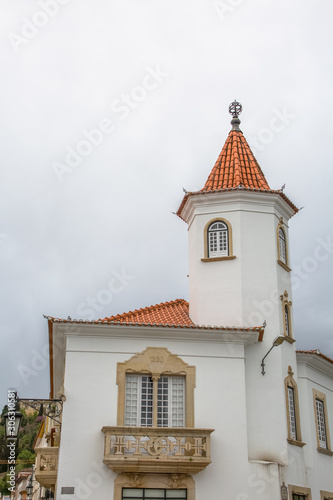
(299, 490)
(320, 396)
(229, 255)
(156, 362)
(326, 495)
(156, 480)
(290, 382)
(141, 405)
(280, 227)
(144, 497)
(286, 313)
(223, 231)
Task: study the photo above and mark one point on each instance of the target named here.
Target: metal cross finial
(235, 109)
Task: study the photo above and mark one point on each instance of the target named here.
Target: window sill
(216, 259)
(296, 442)
(282, 264)
(290, 339)
(325, 451)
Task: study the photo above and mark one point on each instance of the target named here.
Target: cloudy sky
(108, 109)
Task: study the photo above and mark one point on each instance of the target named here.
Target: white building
(170, 401)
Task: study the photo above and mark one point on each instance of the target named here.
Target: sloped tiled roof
(317, 352)
(175, 312)
(236, 166)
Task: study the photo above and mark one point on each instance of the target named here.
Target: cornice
(315, 361)
(252, 200)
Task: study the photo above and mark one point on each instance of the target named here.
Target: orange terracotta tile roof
(317, 352)
(174, 313)
(235, 169)
(236, 166)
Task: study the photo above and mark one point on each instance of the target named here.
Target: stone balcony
(170, 450)
(47, 466)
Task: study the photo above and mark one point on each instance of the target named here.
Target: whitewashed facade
(240, 434)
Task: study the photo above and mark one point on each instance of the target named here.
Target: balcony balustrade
(157, 449)
(47, 466)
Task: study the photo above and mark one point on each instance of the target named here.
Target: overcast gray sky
(156, 78)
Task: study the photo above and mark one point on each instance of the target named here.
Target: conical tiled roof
(236, 166)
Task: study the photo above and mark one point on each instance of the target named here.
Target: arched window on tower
(292, 407)
(218, 239)
(282, 246)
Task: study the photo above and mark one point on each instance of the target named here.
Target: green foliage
(3, 486)
(25, 455)
(26, 438)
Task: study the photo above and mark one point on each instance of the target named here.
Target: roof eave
(183, 211)
(319, 362)
(259, 329)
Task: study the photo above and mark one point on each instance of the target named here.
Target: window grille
(139, 401)
(177, 401)
(286, 319)
(292, 414)
(218, 239)
(321, 423)
(282, 246)
(131, 400)
(146, 402)
(163, 402)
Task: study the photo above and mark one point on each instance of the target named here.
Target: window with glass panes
(286, 320)
(282, 246)
(321, 423)
(299, 497)
(218, 239)
(292, 415)
(153, 494)
(139, 401)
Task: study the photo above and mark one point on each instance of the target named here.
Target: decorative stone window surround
(299, 490)
(286, 304)
(156, 361)
(290, 382)
(165, 481)
(280, 261)
(326, 495)
(230, 255)
(322, 397)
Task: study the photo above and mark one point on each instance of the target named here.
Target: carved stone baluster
(119, 445)
(181, 446)
(135, 445)
(199, 446)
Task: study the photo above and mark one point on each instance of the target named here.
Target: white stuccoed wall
(235, 292)
(248, 461)
(91, 392)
